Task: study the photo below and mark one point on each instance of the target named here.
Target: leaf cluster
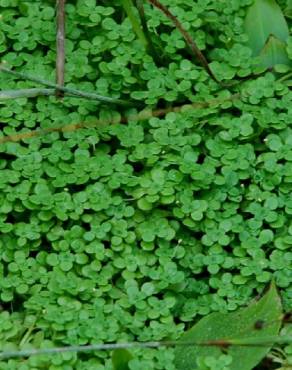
(123, 232)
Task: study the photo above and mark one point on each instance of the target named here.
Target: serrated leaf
(264, 18)
(274, 52)
(121, 358)
(239, 325)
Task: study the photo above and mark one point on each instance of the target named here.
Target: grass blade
(129, 9)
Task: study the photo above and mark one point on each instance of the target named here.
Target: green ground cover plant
(136, 230)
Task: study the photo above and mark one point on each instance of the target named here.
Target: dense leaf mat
(133, 231)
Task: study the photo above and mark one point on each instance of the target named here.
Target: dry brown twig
(60, 45)
(141, 116)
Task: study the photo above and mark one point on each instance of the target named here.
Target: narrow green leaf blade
(129, 9)
(239, 325)
(263, 18)
(121, 358)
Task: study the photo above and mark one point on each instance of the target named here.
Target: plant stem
(75, 92)
(25, 93)
(190, 42)
(141, 116)
(60, 46)
(259, 342)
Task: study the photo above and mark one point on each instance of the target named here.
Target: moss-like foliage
(133, 231)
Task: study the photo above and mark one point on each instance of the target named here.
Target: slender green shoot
(254, 342)
(150, 46)
(129, 9)
(67, 90)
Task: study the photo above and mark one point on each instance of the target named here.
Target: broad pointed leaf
(264, 18)
(259, 321)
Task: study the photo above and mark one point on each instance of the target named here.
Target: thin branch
(224, 343)
(34, 92)
(194, 48)
(60, 46)
(40, 132)
(25, 93)
(141, 116)
(67, 90)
